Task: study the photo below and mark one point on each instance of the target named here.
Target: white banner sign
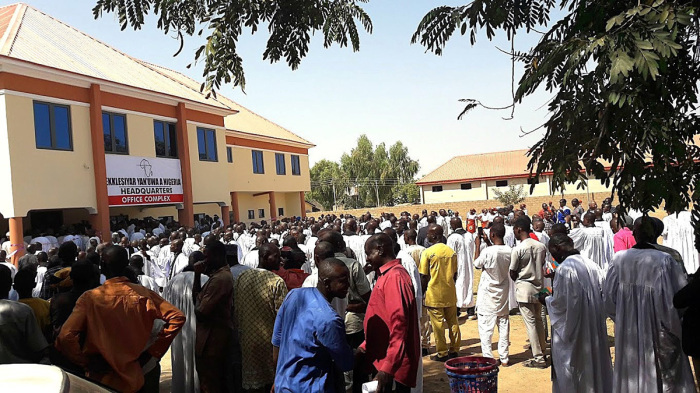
(143, 180)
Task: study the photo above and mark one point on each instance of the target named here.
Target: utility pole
(376, 189)
(335, 205)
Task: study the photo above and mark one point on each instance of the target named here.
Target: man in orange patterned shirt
(114, 323)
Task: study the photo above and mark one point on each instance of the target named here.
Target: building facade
(475, 178)
(88, 133)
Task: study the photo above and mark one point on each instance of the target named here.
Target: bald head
(334, 238)
(380, 250)
(455, 223)
(435, 233)
(561, 247)
(115, 260)
(323, 250)
(269, 257)
(410, 236)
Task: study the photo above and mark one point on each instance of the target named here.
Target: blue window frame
(52, 126)
(165, 135)
(229, 154)
(114, 131)
(296, 168)
(258, 165)
(279, 163)
(206, 141)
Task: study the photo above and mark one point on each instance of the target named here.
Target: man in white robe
(354, 241)
(580, 350)
(492, 296)
(679, 234)
(411, 267)
(444, 221)
(593, 242)
(465, 265)
(638, 293)
(252, 258)
(178, 292)
(178, 260)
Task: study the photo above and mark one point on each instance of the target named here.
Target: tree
(328, 186)
(624, 77)
(291, 25)
(405, 193)
(376, 176)
(513, 196)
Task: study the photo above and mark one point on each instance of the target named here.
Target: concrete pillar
(234, 206)
(273, 206)
(302, 201)
(186, 215)
(225, 215)
(99, 221)
(16, 238)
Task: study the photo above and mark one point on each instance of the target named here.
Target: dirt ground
(515, 378)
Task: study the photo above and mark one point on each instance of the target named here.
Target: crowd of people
(328, 304)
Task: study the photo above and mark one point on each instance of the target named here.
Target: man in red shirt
(392, 339)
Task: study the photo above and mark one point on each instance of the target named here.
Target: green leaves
(622, 64)
(367, 176)
(291, 24)
(512, 196)
(624, 78)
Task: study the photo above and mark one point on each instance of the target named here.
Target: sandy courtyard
(515, 378)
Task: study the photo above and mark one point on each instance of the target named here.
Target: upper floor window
(229, 154)
(165, 135)
(258, 165)
(296, 168)
(501, 183)
(206, 141)
(114, 131)
(465, 186)
(533, 180)
(279, 163)
(52, 126)
(437, 188)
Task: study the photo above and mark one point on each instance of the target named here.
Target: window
(165, 135)
(114, 131)
(437, 188)
(279, 163)
(533, 180)
(296, 169)
(501, 183)
(52, 127)
(258, 166)
(251, 214)
(261, 213)
(280, 212)
(229, 154)
(466, 186)
(206, 140)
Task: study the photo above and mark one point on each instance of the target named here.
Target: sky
(390, 90)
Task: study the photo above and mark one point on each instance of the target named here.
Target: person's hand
(272, 390)
(200, 267)
(384, 382)
(541, 297)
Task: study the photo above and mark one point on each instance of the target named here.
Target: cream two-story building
(88, 133)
